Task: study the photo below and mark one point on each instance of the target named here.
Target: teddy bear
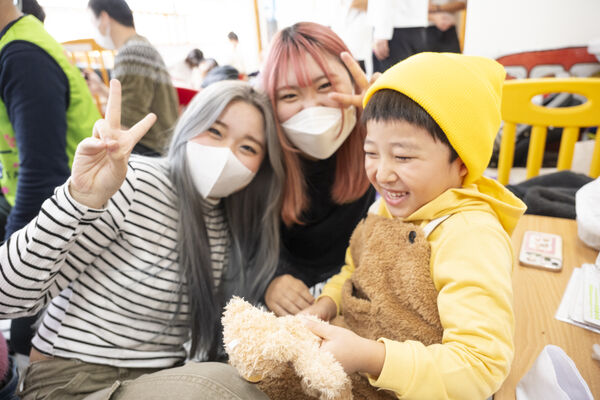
(265, 348)
(391, 294)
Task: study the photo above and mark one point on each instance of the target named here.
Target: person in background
(234, 57)
(326, 190)
(45, 110)
(441, 32)
(206, 66)
(220, 73)
(186, 73)
(146, 83)
(32, 7)
(399, 30)
(352, 25)
(135, 256)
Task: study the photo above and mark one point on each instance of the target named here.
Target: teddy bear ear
(412, 235)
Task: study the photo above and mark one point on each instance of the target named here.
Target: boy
(431, 122)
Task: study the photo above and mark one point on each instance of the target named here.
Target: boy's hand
(356, 354)
(324, 309)
(95, 84)
(100, 162)
(359, 78)
(287, 295)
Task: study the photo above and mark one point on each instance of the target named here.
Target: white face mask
(104, 40)
(215, 171)
(316, 130)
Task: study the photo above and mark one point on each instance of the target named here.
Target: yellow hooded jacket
(471, 264)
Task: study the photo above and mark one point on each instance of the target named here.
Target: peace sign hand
(100, 162)
(359, 78)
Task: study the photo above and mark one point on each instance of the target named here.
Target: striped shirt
(110, 276)
(218, 237)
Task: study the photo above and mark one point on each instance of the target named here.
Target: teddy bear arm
(322, 376)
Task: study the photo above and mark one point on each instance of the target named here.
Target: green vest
(81, 113)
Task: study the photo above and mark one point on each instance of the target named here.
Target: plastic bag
(553, 376)
(587, 200)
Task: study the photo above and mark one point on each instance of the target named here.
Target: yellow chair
(89, 56)
(517, 108)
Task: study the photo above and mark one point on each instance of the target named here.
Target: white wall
(174, 27)
(177, 26)
(497, 28)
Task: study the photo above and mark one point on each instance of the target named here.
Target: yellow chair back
(517, 108)
(89, 56)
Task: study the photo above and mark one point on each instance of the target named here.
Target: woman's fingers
(113, 107)
(374, 77)
(357, 73)
(347, 100)
(137, 131)
(90, 145)
(99, 126)
(289, 306)
(359, 77)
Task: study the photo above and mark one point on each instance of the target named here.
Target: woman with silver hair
(135, 256)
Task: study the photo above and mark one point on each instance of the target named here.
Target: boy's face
(407, 166)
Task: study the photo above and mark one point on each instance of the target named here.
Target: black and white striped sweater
(110, 276)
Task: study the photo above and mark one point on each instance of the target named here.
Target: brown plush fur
(391, 294)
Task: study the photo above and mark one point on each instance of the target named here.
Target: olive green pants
(76, 380)
(193, 381)
(61, 378)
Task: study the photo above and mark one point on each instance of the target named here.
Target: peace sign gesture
(100, 162)
(359, 78)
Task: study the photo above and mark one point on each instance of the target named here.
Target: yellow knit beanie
(461, 93)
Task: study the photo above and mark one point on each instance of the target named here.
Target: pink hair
(289, 48)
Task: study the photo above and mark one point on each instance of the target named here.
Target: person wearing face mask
(136, 255)
(314, 92)
(45, 110)
(146, 82)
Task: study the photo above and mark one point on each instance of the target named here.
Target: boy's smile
(407, 166)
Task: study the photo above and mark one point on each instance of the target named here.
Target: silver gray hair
(252, 215)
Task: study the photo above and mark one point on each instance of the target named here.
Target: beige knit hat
(461, 93)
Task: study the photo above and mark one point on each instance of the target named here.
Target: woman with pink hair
(315, 87)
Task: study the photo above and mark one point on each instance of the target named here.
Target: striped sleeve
(40, 260)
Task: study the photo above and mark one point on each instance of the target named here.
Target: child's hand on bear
(324, 309)
(355, 353)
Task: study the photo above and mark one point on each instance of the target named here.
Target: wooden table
(537, 296)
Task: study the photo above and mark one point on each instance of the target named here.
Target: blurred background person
(186, 72)
(220, 73)
(32, 7)
(45, 111)
(146, 83)
(399, 30)
(352, 25)
(234, 56)
(441, 32)
(206, 66)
